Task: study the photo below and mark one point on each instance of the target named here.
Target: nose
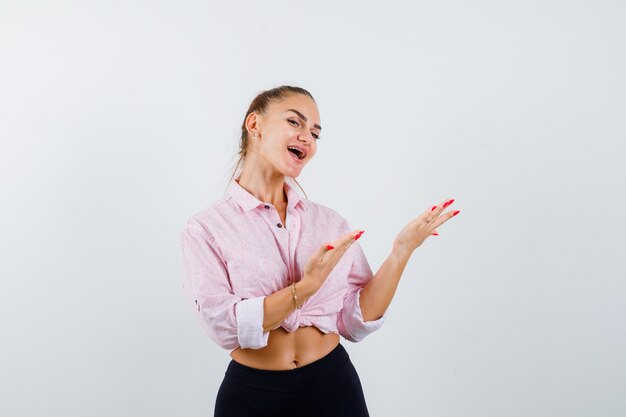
(307, 138)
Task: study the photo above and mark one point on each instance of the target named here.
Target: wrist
(401, 253)
(305, 288)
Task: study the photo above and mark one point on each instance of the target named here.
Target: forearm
(379, 291)
(278, 305)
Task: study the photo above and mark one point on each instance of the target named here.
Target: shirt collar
(248, 202)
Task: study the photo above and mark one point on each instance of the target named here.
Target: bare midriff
(287, 351)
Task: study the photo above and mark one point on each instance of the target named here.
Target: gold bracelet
(295, 297)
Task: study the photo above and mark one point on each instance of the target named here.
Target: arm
(229, 320)
(280, 304)
(379, 291)
(354, 322)
(377, 295)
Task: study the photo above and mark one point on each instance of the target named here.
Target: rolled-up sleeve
(229, 320)
(350, 323)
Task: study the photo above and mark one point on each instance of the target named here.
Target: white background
(118, 120)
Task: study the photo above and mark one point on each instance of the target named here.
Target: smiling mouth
(297, 153)
(296, 159)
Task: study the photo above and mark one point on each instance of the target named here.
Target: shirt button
(279, 225)
(267, 206)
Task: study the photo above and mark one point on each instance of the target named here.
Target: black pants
(328, 387)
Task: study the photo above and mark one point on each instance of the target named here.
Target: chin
(295, 172)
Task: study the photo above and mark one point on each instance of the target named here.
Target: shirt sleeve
(350, 322)
(229, 320)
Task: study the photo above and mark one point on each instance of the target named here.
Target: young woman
(276, 278)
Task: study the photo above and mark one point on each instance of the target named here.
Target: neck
(266, 187)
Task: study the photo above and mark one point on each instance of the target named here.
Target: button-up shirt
(237, 251)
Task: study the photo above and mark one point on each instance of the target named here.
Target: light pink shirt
(236, 252)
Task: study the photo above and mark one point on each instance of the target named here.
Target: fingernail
(455, 213)
(359, 234)
(434, 207)
(448, 203)
(435, 234)
(329, 247)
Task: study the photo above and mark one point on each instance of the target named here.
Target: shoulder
(324, 215)
(206, 220)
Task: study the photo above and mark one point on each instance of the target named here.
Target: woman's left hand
(420, 228)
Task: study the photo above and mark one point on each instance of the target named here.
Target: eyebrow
(303, 117)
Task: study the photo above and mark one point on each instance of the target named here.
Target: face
(294, 121)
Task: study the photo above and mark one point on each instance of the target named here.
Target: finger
(325, 248)
(444, 218)
(447, 203)
(436, 210)
(342, 243)
(347, 240)
(429, 214)
(441, 206)
(322, 250)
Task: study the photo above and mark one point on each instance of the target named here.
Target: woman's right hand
(323, 260)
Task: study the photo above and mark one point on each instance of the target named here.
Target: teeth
(299, 150)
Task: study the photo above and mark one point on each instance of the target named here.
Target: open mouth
(297, 152)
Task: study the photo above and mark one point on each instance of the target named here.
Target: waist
(289, 380)
(287, 351)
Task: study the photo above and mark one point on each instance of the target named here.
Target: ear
(253, 125)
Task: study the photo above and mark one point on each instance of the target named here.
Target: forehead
(299, 102)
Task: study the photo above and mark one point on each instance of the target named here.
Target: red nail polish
(435, 234)
(434, 207)
(448, 203)
(455, 213)
(359, 235)
(329, 247)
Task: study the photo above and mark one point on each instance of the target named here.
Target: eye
(297, 124)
